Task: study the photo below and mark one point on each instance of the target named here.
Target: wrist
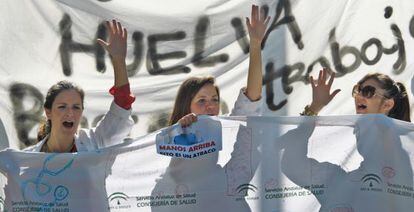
(308, 112)
(255, 43)
(118, 59)
(315, 107)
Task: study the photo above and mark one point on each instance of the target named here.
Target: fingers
(324, 74)
(331, 79)
(254, 14)
(125, 33)
(320, 78)
(110, 27)
(249, 26)
(266, 22)
(262, 15)
(334, 94)
(119, 28)
(312, 82)
(115, 28)
(187, 120)
(102, 43)
(259, 16)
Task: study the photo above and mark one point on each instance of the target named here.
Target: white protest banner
(45, 41)
(201, 138)
(341, 163)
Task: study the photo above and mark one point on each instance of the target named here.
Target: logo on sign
(388, 172)
(371, 180)
(245, 188)
(61, 192)
(40, 185)
(118, 197)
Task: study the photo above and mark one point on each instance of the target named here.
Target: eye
(368, 91)
(201, 101)
(61, 106)
(77, 107)
(216, 100)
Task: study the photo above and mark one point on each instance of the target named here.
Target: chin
(70, 132)
(361, 112)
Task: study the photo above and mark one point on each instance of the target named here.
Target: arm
(257, 28)
(117, 122)
(117, 47)
(321, 93)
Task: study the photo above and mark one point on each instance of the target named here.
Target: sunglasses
(367, 91)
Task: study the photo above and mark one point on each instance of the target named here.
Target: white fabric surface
(339, 163)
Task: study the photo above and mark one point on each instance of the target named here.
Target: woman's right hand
(116, 46)
(321, 95)
(117, 41)
(187, 120)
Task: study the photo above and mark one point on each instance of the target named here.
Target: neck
(57, 143)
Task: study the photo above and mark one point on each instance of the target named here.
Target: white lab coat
(112, 129)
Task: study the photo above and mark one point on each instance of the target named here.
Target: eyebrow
(62, 103)
(203, 96)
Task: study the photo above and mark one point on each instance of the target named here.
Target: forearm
(254, 77)
(120, 73)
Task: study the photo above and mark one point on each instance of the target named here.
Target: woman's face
(375, 104)
(206, 101)
(65, 113)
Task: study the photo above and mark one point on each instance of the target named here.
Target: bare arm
(257, 28)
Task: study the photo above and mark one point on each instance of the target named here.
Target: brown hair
(56, 89)
(187, 91)
(394, 90)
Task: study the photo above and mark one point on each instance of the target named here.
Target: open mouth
(361, 107)
(68, 124)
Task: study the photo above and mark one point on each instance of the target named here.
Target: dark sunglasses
(367, 91)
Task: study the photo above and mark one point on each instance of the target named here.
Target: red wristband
(122, 96)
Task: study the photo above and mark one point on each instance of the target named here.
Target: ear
(48, 113)
(388, 105)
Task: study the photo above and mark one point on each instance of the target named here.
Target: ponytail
(401, 109)
(44, 129)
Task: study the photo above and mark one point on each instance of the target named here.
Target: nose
(69, 112)
(209, 105)
(212, 106)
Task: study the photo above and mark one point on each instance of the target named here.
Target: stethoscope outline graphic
(60, 192)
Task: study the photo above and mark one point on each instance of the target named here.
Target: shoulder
(35, 148)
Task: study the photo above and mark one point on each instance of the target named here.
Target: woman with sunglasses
(374, 93)
(64, 106)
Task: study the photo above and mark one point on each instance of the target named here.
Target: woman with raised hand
(374, 93)
(64, 105)
(200, 96)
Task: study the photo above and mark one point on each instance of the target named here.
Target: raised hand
(117, 48)
(258, 24)
(117, 42)
(321, 91)
(257, 28)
